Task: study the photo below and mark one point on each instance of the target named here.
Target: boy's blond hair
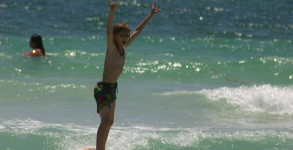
(119, 27)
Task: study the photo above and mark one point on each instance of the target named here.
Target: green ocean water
(203, 75)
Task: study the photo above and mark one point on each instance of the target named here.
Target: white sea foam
(70, 136)
(73, 137)
(29, 124)
(126, 138)
(1, 127)
(262, 98)
(178, 93)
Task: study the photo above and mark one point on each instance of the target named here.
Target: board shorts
(105, 94)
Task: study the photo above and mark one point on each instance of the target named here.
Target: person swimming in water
(36, 43)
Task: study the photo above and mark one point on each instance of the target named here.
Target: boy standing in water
(118, 38)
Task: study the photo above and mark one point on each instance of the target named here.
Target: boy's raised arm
(110, 23)
(141, 26)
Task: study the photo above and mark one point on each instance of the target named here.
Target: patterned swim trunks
(105, 94)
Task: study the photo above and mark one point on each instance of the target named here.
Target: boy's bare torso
(114, 64)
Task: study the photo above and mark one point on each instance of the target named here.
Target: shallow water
(212, 75)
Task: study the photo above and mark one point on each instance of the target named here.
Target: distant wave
(257, 98)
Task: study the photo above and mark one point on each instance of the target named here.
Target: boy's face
(122, 38)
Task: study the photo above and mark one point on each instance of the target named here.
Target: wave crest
(263, 98)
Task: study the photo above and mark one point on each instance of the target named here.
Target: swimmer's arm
(110, 24)
(141, 26)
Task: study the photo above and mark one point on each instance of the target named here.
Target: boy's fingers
(155, 4)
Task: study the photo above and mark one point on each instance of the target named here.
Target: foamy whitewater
(203, 75)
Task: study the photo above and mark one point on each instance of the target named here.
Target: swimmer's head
(37, 43)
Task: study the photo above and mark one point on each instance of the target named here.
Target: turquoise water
(203, 75)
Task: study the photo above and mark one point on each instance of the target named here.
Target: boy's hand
(112, 5)
(154, 9)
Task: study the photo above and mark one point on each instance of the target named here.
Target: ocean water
(203, 75)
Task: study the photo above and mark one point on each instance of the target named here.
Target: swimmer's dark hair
(119, 27)
(36, 38)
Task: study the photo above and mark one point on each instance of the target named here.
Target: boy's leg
(107, 120)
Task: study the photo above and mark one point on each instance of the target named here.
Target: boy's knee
(110, 122)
